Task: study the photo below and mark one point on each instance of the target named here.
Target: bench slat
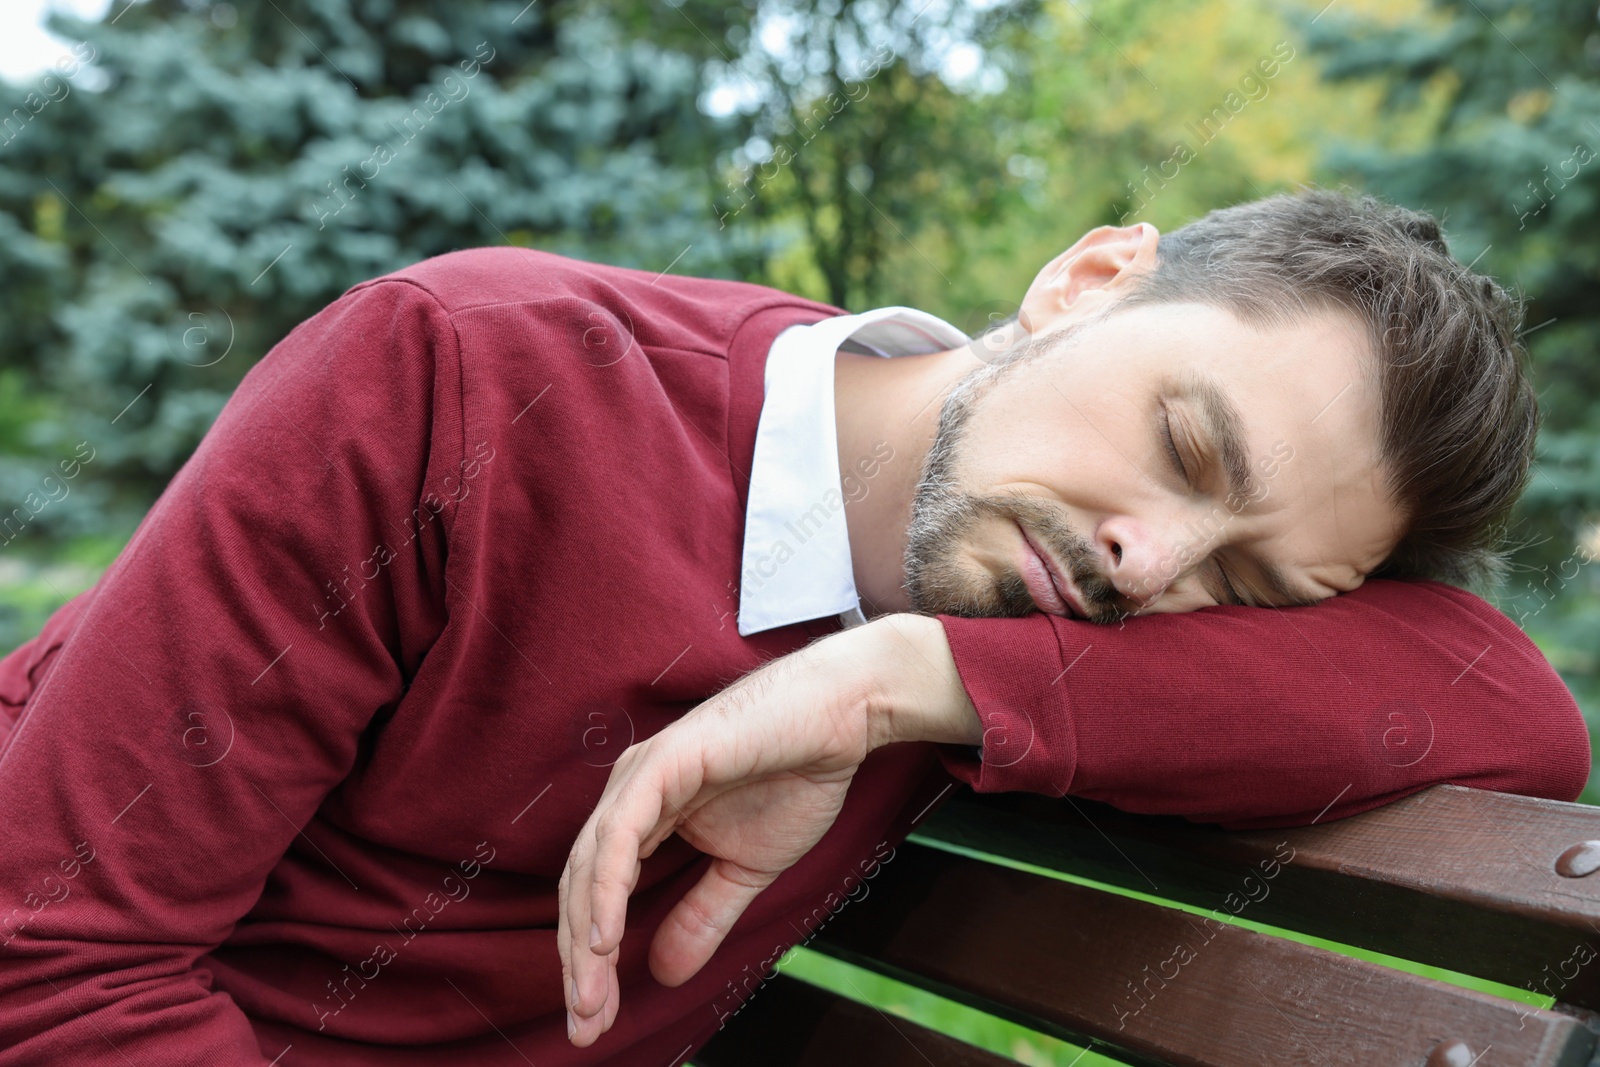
(1083, 964)
(1454, 877)
(787, 1023)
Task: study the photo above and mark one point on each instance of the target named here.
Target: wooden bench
(1501, 887)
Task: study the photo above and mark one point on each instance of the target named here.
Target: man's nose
(1142, 558)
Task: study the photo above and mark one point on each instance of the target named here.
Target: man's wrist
(916, 692)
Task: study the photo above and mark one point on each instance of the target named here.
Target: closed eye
(1172, 449)
(1230, 594)
(1233, 596)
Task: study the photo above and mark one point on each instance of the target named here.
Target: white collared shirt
(796, 563)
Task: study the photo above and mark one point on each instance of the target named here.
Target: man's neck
(887, 411)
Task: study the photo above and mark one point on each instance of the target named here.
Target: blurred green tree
(196, 177)
(218, 173)
(871, 126)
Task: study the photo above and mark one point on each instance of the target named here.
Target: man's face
(1058, 458)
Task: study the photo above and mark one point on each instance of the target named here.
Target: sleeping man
(531, 644)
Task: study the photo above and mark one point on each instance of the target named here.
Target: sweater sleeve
(213, 688)
(1251, 717)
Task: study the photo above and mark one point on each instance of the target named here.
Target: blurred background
(182, 181)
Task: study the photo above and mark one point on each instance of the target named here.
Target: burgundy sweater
(303, 768)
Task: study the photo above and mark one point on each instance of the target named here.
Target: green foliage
(195, 178)
(862, 136)
(236, 169)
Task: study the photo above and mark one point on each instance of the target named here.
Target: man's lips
(1051, 590)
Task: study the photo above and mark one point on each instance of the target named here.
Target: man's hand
(753, 777)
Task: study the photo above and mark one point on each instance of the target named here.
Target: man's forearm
(1251, 717)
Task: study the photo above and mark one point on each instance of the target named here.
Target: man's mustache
(1099, 595)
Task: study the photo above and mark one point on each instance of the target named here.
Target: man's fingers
(605, 866)
(587, 995)
(563, 930)
(612, 876)
(629, 824)
(586, 1031)
(694, 928)
(613, 993)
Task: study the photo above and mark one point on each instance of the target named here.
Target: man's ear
(1098, 267)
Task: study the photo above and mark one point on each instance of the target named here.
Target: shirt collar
(796, 562)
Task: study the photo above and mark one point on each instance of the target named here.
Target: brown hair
(1457, 413)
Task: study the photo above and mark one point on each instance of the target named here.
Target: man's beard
(943, 515)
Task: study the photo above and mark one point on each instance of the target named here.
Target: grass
(999, 1036)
